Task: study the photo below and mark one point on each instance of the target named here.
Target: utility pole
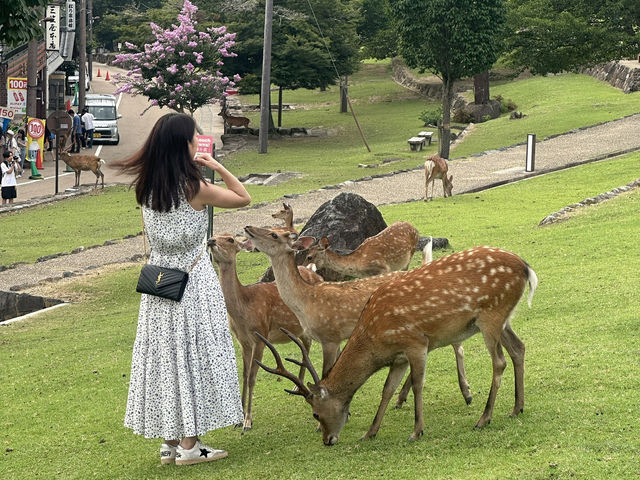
(265, 90)
(82, 46)
(90, 55)
(32, 77)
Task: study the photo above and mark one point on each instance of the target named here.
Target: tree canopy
(20, 21)
(180, 70)
(552, 36)
(452, 38)
(301, 56)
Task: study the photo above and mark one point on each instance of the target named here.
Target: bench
(427, 136)
(416, 143)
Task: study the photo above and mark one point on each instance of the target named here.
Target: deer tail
(532, 279)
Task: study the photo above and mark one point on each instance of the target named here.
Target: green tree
(20, 21)
(180, 69)
(301, 56)
(377, 32)
(453, 38)
(552, 36)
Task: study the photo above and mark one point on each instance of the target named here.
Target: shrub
(431, 116)
(462, 116)
(507, 105)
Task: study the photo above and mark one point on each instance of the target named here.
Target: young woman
(183, 371)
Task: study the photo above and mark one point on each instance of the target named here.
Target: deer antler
(283, 372)
(306, 361)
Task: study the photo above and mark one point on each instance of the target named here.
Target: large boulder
(347, 220)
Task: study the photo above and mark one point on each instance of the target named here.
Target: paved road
(134, 129)
(471, 174)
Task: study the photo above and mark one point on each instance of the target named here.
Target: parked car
(105, 112)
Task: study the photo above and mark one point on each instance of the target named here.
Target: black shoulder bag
(163, 281)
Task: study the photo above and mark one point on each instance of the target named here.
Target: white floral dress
(184, 380)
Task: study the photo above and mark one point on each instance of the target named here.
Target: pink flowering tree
(181, 69)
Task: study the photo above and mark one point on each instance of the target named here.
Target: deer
(328, 311)
(427, 258)
(435, 167)
(234, 121)
(79, 163)
(388, 251)
(254, 308)
(446, 301)
(285, 214)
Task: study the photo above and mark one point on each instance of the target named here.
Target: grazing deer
(285, 214)
(435, 167)
(234, 121)
(79, 163)
(446, 301)
(388, 251)
(328, 311)
(427, 258)
(254, 308)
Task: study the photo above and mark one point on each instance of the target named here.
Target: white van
(103, 108)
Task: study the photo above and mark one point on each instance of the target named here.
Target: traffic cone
(68, 105)
(98, 73)
(34, 172)
(107, 77)
(39, 161)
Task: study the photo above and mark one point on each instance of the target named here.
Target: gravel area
(470, 174)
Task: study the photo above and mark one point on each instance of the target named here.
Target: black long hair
(163, 167)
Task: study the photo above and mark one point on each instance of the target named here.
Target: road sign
(59, 122)
(205, 144)
(35, 128)
(9, 113)
(17, 94)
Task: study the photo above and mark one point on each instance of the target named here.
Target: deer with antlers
(435, 167)
(79, 163)
(254, 308)
(446, 301)
(388, 251)
(328, 311)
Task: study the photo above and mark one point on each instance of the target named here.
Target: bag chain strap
(147, 255)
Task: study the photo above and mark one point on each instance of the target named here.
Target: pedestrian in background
(21, 140)
(87, 119)
(184, 380)
(76, 132)
(9, 167)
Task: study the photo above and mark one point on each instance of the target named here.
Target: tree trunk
(344, 92)
(32, 78)
(481, 88)
(444, 132)
(279, 106)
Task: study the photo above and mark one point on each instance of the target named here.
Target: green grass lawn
(65, 372)
(388, 115)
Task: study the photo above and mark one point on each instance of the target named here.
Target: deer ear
(324, 242)
(318, 390)
(303, 243)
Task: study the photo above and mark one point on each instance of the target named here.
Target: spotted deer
(234, 121)
(285, 214)
(435, 167)
(446, 301)
(328, 311)
(388, 251)
(254, 308)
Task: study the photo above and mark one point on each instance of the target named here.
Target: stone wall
(620, 75)
(429, 89)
